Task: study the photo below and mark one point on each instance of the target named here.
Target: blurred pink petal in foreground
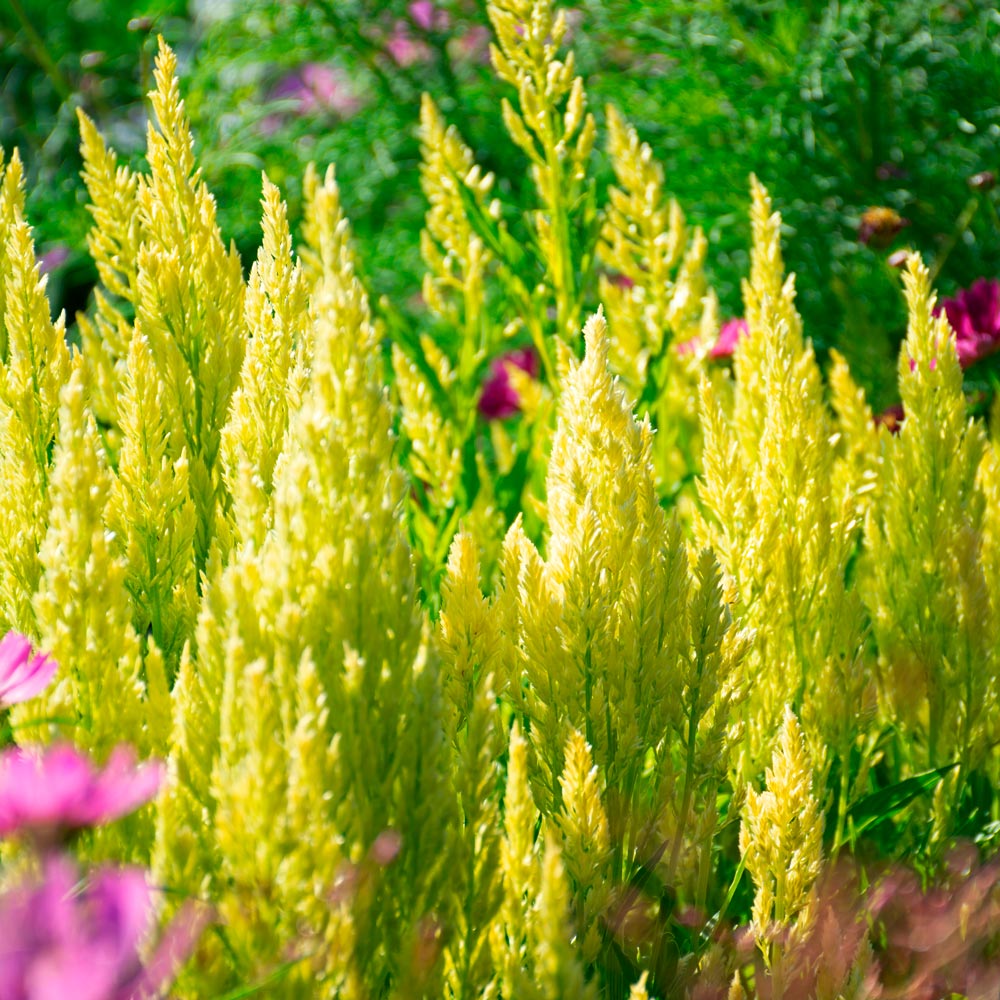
(61, 937)
(51, 792)
(22, 676)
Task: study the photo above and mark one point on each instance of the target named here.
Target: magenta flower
(22, 676)
(56, 942)
(55, 791)
(62, 938)
(974, 315)
(729, 335)
(499, 398)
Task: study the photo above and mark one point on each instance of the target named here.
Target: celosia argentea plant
(558, 659)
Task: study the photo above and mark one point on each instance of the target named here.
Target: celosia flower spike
(22, 676)
(54, 792)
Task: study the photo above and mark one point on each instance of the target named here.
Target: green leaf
(887, 802)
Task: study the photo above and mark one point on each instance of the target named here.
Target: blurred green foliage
(837, 106)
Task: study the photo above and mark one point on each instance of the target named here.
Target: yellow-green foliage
(781, 842)
(553, 129)
(660, 312)
(781, 512)
(625, 669)
(36, 365)
(208, 521)
(930, 574)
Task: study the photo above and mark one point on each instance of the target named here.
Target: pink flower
(53, 259)
(22, 676)
(974, 315)
(427, 17)
(620, 280)
(499, 398)
(404, 49)
(472, 45)
(732, 330)
(57, 942)
(55, 791)
(319, 88)
(61, 939)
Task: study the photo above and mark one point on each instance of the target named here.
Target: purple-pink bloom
(22, 676)
(472, 45)
(58, 941)
(318, 87)
(427, 17)
(53, 259)
(404, 49)
(974, 315)
(54, 791)
(499, 398)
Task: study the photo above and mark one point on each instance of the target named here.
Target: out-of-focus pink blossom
(404, 49)
(22, 676)
(499, 398)
(51, 792)
(729, 335)
(56, 942)
(60, 938)
(471, 45)
(319, 87)
(725, 344)
(974, 315)
(620, 280)
(53, 259)
(426, 16)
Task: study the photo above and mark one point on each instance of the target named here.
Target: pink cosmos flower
(62, 938)
(22, 676)
(974, 315)
(499, 398)
(55, 791)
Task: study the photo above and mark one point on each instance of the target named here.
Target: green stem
(38, 49)
(963, 223)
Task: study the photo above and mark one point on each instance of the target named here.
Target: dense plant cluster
(578, 640)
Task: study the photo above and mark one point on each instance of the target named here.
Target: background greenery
(836, 106)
